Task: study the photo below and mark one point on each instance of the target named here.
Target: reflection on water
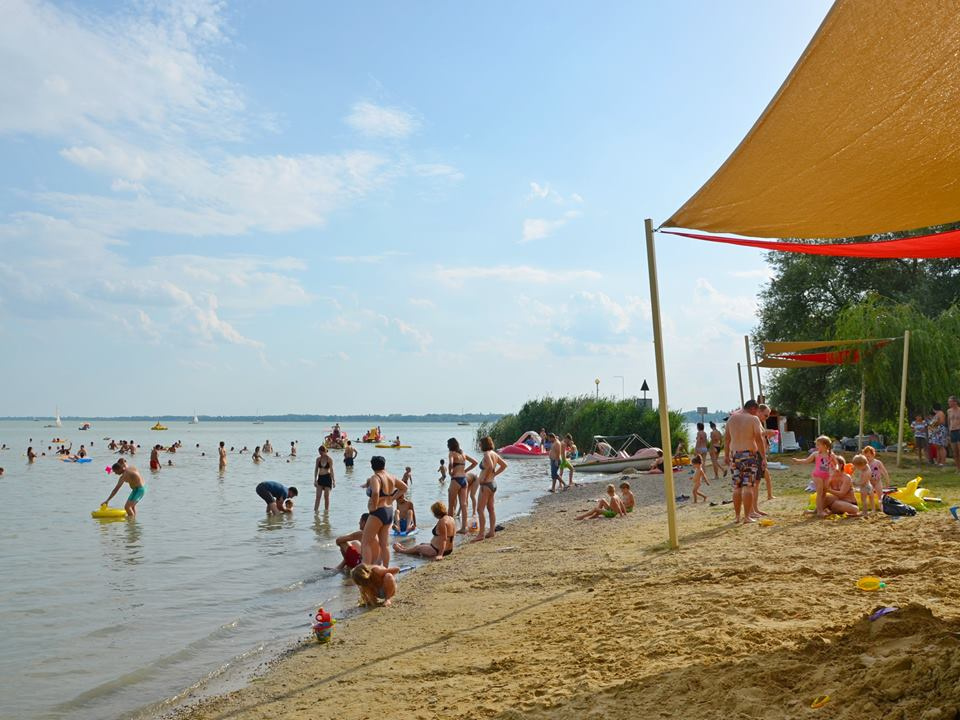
(321, 525)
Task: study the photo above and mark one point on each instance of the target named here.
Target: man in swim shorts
(130, 475)
(953, 422)
(744, 453)
(274, 495)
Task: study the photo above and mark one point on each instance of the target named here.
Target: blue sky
(370, 207)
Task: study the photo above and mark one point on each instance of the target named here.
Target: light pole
(597, 383)
(644, 389)
(623, 385)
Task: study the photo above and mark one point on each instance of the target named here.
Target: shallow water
(109, 618)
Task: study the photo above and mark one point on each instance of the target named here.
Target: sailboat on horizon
(258, 421)
(56, 421)
(196, 420)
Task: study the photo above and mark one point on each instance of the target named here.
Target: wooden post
(903, 394)
(740, 380)
(863, 399)
(746, 344)
(665, 440)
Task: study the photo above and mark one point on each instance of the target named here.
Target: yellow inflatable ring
(108, 512)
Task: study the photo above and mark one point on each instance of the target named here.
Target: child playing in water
(627, 496)
(405, 518)
(699, 476)
(127, 474)
(407, 477)
(349, 546)
(443, 471)
(823, 464)
(610, 507)
(863, 483)
(376, 583)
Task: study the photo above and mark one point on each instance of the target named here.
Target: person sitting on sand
(377, 583)
(657, 466)
(626, 496)
(611, 506)
(130, 475)
(404, 517)
(349, 546)
(838, 494)
(699, 476)
(441, 544)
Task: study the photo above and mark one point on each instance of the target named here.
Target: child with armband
(698, 476)
(823, 464)
(863, 483)
(878, 471)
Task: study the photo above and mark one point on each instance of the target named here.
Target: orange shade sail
(862, 138)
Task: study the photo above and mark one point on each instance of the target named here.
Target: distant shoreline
(429, 417)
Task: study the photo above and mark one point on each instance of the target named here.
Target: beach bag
(892, 506)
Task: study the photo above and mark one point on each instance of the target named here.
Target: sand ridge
(559, 619)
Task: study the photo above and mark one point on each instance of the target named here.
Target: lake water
(109, 619)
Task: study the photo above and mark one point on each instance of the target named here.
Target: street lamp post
(623, 385)
(597, 383)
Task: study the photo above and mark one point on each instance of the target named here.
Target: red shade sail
(941, 245)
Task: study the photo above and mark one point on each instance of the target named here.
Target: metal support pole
(665, 440)
(903, 394)
(746, 344)
(756, 364)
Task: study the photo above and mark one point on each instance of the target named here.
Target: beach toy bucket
(323, 626)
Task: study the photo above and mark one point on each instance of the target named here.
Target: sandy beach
(560, 619)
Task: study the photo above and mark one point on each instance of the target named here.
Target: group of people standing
(934, 433)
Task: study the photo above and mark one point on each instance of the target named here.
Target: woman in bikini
(716, 444)
(491, 466)
(441, 544)
(382, 487)
(460, 464)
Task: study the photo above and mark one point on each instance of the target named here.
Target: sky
(258, 207)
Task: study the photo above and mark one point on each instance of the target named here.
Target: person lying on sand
(611, 506)
(376, 583)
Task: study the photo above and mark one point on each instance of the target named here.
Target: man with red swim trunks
(744, 451)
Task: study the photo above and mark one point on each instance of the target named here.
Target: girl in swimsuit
(457, 492)
(700, 443)
(823, 464)
(441, 543)
(382, 488)
(716, 442)
(491, 466)
(376, 583)
(838, 493)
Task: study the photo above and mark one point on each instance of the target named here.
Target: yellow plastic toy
(766, 522)
(871, 583)
(820, 701)
(912, 494)
(105, 513)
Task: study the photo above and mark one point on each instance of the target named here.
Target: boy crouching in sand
(376, 583)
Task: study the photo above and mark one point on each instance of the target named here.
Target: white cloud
(422, 302)
(438, 170)
(151, 70)
(540, 228)
(379, 121)
(457, 277)
(368, 259)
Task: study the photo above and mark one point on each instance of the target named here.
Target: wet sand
(596, 619)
